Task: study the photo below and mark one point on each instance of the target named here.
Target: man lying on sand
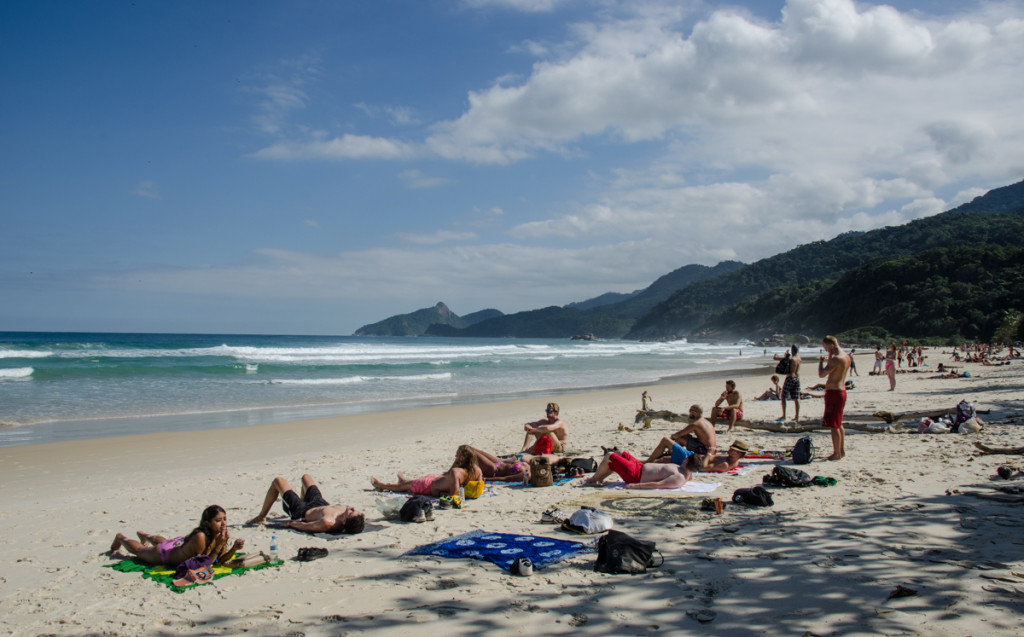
(547, 435)
(640, 475)
(731, 459)
(310, 513)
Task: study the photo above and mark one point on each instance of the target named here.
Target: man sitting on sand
(731, 459)
(310, 513)
(698, 437)
(640, 475)
(547, 435)
(733, 409)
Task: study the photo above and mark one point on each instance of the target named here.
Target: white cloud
(146, 189)
(441, 236)
(345, 147)
(415, 178)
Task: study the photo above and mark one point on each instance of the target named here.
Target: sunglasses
(549, 411)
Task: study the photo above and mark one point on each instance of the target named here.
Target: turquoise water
(58, 386)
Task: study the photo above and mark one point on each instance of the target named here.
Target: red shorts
(543, 446)
(726, 414)
(628, 467)
(835, 402)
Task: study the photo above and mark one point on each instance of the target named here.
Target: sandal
(553, 516)
(311, 553)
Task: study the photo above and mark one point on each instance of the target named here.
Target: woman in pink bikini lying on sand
(463, 470)
(209, 538)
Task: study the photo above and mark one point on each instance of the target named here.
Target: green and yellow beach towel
(166, 576)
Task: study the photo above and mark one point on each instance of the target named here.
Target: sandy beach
(822, 561)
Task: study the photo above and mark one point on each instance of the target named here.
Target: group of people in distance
(670, 465)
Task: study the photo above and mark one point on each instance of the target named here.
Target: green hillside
(688, 310)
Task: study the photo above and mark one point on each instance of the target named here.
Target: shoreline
(888, 522)
(114, 427)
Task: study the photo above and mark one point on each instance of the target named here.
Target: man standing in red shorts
(639, 475)
(834, 369)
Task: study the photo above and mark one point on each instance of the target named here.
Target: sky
(309, 167)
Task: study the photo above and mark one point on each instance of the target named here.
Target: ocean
(67, 386)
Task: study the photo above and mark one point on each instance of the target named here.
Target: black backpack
(618, 552)
(803, 451)
(756, 496)
(786, 477)
(589, 465)
(783, 366)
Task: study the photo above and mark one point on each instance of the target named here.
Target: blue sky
(309, 167)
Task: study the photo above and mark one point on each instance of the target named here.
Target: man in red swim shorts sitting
(834, 368)
(640, 475)
(546, 436)
(733, 409)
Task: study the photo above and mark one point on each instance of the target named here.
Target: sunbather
(772, 393)
(209, 538)
(729, 461)
(310, 512)
(641, 475)
(448, 483)
(494, 468)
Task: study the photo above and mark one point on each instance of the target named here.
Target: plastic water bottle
(273, 547)
(462, 493)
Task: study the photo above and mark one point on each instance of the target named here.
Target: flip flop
(311, 553)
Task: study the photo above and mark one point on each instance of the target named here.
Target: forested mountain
(603, 321)
(415, 323)
(958, 293)
(971, 224)
(955, 276)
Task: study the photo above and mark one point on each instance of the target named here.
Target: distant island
(953, 277)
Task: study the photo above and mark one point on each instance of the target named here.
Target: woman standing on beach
(890, 365)
(209, 538)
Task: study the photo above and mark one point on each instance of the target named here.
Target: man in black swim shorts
(310, 513)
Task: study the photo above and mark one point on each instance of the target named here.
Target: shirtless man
(731, 459)
(834, 369)
(698, 437)
(547, 435)
(733, 409)
(791, 386)
(639, 475)
(309, 513)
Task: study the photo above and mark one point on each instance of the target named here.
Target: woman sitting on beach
(463, 470)
(209, 538)
(494, 468)
(772, 393)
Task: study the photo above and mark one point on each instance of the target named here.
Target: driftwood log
(1013, 451)
(646, 417)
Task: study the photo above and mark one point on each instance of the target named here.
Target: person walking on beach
(791, 386)
(853, 363)
(733, 409)
(879, 356)
(209, 538)
(833, 369)
(548, 435)
(310, 513)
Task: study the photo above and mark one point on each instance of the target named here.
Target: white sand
(821, 561)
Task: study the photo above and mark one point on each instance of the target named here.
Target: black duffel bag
(618, 552)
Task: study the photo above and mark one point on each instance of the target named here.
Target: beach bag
(803, 451)
(417, 509)
(783, 366)
(786, 477)
(540, 473)
(618, 552)
(194, 570)
(588, 521)
(756, 496)
(589, 465)
(964, 412)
